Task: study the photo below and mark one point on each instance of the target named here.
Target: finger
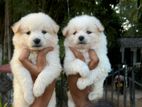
(72, 49)
(46, 50)
(89, 89)
(24, 54)
(41, 59)
(94, 60)
(93, 55)
(77, 54)
(41, 62)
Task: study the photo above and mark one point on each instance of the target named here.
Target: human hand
(41, 58)
(94, 60)
(80, 97)
(43, 100)
(25, 54)
(41, 61)
(24, 59)
(77, 54)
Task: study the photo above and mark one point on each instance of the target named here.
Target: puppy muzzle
(81, 40)
(37, 43)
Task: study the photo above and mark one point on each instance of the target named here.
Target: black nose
(81, 38)
(36, 41)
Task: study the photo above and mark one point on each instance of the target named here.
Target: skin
(80, 97)
(94, 60)
(5, 68)
(41, 60)
(43, 100)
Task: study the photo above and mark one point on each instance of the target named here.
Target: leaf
(5, 105)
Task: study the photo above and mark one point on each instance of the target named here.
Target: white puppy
(35, 32)
(84, 33)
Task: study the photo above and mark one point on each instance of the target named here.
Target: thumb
(45, 50)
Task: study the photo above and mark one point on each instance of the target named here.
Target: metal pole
(112, 88)
(105, 94)
(133, 89)
(125, 85)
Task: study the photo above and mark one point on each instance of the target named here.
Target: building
(131, 50)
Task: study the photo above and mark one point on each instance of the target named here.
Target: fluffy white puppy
(84, 33)
(35, 32)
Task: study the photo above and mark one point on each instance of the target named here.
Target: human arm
(49, 73)
(74, 62)
(41, 60)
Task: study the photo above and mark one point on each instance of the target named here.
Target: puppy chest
(33, 58)
(86, 56)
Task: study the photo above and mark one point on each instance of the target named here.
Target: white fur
(52, 102)
(70, 100)
(24, 89)
(95, 40)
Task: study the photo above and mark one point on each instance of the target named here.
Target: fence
(5, 90)
(120, 87)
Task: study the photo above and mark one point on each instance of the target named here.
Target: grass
(5, 105)
(0, 102)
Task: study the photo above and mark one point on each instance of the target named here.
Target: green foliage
(6, 61)
(131, 12)
(21, 8)
(0, 102)
(101, 10)
(63, 10)
(5, 105)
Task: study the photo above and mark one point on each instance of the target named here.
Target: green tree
(131, 12)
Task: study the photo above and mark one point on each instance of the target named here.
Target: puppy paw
(94, 96)
(38, 90)
(82, 83)
(84, 72)
(80, 67)
(29, 98)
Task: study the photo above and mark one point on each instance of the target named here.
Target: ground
(118, 99)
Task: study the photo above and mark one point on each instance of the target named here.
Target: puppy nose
(81, 38)
(36, 41)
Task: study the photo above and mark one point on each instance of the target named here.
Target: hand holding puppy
(41, 60)
(77, 54)
(43, 100)
(94, 60)
(80, 97)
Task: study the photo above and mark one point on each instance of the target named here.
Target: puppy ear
(99, 26)
(56, 28)
(16, 27)
(65, 31)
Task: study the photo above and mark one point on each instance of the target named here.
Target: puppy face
(35, 31)
(83, 31)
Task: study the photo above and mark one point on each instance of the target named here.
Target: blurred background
(122, 20)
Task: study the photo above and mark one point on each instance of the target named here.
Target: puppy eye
(75, 32)
(44, 32)
(28, 33)
(88, 32)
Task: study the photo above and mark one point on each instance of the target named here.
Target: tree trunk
(7, 37)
